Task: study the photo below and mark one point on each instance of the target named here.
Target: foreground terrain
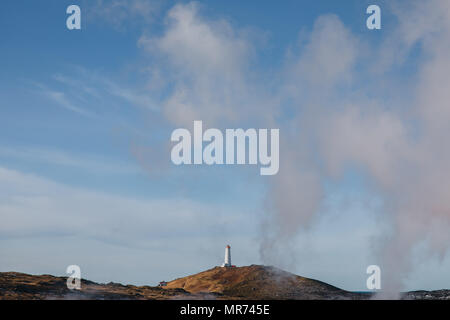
(252, 282)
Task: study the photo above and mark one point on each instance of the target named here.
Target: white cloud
(120, 13)
(206, 63)
(198, 46)
(34, 206)
(327, 59)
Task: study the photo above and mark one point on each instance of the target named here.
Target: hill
(251, 283)
(20, 286)
(259, 282)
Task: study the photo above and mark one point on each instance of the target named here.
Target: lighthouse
(227, 262)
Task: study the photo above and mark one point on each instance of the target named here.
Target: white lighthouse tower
(227, 262)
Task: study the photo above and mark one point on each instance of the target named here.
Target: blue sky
(86, 118)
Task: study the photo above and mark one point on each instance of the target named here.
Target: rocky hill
(252, 282)
(259, 282)
(20, 286)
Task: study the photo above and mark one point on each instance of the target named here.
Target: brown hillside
(20, 286)
(258, 282)
(253, 282)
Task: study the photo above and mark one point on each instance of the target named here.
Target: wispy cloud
(56, 157)
(63, 101)
(122, 13)
(33, 206)
(95, 92)
(88, 84)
